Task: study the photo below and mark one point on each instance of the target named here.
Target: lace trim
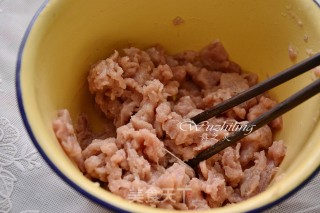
(25, 160)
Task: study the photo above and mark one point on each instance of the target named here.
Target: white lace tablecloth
(27, 184)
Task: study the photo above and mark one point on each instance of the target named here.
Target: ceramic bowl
(66, 37)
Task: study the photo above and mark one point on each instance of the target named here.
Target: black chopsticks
(258, 89)
(281, 108)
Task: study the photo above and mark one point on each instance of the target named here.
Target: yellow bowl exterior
(69, 36)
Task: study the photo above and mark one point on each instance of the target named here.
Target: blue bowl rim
(62, 175)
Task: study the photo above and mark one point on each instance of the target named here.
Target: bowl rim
(78, 188)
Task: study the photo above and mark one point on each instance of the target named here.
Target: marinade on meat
(147, 95)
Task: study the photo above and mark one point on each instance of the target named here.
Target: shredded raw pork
(147, 96)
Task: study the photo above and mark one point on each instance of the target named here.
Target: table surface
(27, 184)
